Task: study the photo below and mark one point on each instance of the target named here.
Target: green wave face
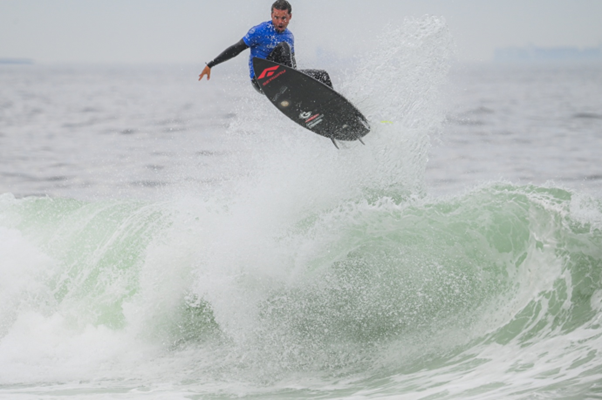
(381, 288)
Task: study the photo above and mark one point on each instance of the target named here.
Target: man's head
(282, 12)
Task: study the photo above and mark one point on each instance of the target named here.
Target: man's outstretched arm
(227, 54)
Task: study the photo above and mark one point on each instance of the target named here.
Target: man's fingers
(205, 72)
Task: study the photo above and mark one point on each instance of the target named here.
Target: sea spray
(310, 272)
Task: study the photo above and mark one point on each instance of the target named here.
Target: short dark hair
(282, 5)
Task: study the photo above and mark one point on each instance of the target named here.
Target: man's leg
(256, 85)
(319, 75)
(282, 54)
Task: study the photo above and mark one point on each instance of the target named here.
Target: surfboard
(309, 102)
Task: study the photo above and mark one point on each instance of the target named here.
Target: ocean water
(162, 238)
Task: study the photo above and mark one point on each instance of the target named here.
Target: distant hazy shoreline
(16, 61)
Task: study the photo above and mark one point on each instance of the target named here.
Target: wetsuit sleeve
(229, 53)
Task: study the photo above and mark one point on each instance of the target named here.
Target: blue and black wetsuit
(267, 43)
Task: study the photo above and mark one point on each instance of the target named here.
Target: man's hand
(206, 71)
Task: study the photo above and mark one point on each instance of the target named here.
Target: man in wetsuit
(270, 40)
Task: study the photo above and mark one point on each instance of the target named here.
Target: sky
(195, 31)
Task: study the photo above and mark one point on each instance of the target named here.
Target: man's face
(280, 19)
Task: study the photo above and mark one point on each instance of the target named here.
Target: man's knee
(282, 54)
(318, 74)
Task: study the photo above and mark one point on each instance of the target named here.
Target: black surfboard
(309, 102)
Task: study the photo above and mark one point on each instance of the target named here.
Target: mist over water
(190, 252)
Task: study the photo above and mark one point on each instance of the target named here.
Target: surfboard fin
(358, 137)
(333, 142)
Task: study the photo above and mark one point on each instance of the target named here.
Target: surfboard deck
(309, 102)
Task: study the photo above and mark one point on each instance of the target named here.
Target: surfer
(270, 40)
